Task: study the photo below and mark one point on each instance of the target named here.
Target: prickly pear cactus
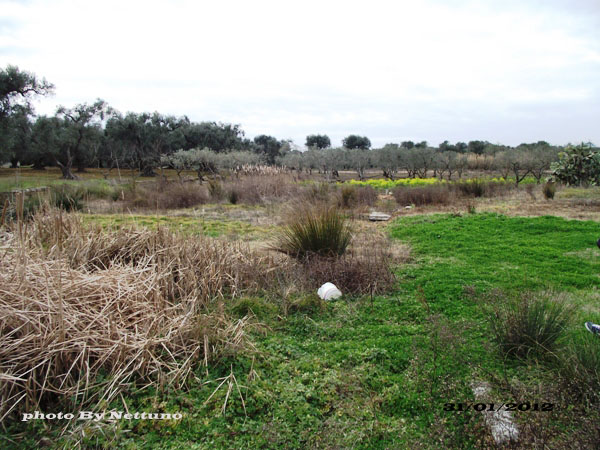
(577, 165)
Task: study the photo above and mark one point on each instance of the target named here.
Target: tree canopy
(17, 86)
(318, 141)
(355, 141)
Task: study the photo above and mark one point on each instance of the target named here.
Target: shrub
(577, 165)
(477, 187)
(353, 273)
(98, 189)
(317, 192)
(233, 196)
(366, 195)
(347, 196)
(67, 198)
(426, 195)
(246, 191)
(529, 188)
(215, 189)
(169, 196)
(549, 190)
(307, 304)
(315, 231)
(258, 189)
(474, 187)
(256, 306)
(529, 326)
(9, 211)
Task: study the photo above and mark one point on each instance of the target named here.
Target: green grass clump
(320, 231)
(67, 198)
(254, 306)
(529, 326)
(580, 366)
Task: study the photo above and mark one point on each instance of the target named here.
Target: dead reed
(132, 305)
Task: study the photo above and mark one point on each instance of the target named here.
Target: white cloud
(431, 70)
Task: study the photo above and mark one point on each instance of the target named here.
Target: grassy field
(230, 229)
(366, 372)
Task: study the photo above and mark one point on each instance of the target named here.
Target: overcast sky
(503, 71)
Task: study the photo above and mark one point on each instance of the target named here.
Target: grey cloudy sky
(504, 71)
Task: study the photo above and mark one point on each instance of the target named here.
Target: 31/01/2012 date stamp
(524, 406)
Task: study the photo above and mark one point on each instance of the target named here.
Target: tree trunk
(67, 174)
(38, 165)
(148, 171)
(66, 168)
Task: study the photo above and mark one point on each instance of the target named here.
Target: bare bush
(477, 187)
(169, 196)
(437, 194)
(363, 270)
(257, 189)
(351, 196)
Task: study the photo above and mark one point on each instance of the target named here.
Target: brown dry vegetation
(135, 305)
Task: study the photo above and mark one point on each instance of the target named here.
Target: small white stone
(377, 216)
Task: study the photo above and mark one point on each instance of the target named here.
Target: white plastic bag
(329, 292)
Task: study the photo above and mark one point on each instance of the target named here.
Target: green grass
(376, 373)
(592, 192)
(185, 224)
(493, 251)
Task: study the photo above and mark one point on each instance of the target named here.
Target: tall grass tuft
(347, 195)
(580, 367)
(549, 190)
(315, 231)
(67, 197)
(529, 326)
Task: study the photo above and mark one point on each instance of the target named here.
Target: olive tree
(79, 129)
(389, 160)
(318, 141)
(17, 89)
(359, 160)
(355, 141)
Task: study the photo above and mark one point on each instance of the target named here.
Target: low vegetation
(322, 231)
(201, 299)
(76, 280)
(530, 327)
(373, 369)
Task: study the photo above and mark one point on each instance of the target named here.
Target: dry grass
(425, 195)
(168, 195)
(131, 305)
(364, 269)
(257, 189)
